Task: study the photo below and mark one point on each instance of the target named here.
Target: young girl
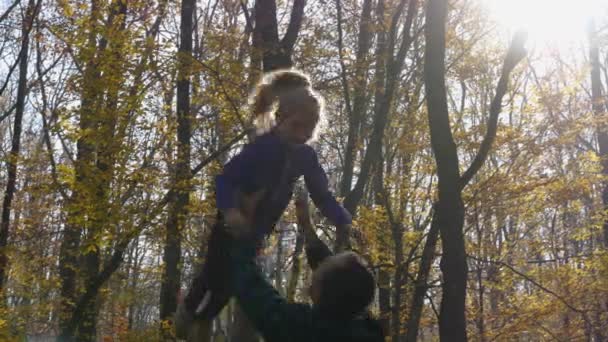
(256, 185)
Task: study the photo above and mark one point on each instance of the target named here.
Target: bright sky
(559, 23)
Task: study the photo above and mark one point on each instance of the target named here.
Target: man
(341, 290)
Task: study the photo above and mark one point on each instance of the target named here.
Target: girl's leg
(210, 289)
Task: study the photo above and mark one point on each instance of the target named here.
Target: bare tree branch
(30, 86)
(8, 11)
(534, 282)
(10, 73)
(295, 22)
(349, 109)
(248, 21)
(45, 126)
(515, 54)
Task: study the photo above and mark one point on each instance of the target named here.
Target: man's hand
(343, 232)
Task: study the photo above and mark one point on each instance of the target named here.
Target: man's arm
(270, 313)
(316, 249)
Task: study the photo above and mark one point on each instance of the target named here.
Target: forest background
(473, 156)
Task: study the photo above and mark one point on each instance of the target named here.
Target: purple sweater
(272, 164)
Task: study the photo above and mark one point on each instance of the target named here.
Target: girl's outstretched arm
(317, 184)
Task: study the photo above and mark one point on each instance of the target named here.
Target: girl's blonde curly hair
(282, 93)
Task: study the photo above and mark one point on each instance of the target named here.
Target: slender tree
(599, 107)
(450, 207)
(178, 201)
(13, 160)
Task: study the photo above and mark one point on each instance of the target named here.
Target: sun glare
(556, 23)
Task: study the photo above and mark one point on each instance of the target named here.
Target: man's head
(342, 285)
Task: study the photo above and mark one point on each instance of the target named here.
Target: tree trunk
(101, 134)
(278, 265)
(384, 298)
(352, 199)
(292, 284)
(178, 206)
(421, 284)
(89, 206)
(276, 53)
(359, 96)
(107, 146)
(599, 108)
(13, 159)
(80, 198)
(384, 279)
(450, 208)
(397, 283)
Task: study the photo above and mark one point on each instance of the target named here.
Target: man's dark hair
(347, 287)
